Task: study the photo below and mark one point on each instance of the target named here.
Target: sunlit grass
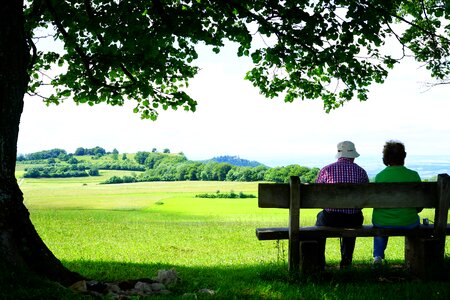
(117, 232)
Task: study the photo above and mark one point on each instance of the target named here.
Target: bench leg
(424, 257)
(309, 257)
(294, 255)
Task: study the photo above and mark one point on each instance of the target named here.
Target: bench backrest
(343, 195)
(295, 195)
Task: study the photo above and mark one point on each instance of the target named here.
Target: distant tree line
(43, 155)
(235, 161)
(96, 151)
(176, 167)
(127, 165)
(60, 171)
(159, 166)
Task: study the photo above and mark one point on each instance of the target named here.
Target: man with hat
(344, 170)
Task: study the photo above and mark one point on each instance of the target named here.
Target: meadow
(130, 231)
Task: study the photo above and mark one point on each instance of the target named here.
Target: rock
(190, 295)
(79, 286)
(143, 286)
(129, 284)
(114, 288)
(157, 287)
(129, 289)
(95, 286)
(207, 292)
(167, 277)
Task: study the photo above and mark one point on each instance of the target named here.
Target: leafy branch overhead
(145, 50)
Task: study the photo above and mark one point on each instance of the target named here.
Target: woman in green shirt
(394, 158)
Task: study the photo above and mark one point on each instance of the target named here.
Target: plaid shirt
(343, 171)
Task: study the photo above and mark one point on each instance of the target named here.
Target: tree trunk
(21, 248)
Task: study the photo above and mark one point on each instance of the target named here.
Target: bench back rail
(348, 195)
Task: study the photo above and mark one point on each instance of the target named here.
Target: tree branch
(91, 16)
(34, 15)
(430, 33)
(86, 60)
(399, 40)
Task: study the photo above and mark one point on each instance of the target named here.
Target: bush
(230, 195)
(117, 179)
(60, 171)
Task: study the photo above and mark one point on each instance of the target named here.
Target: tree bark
(21, 248)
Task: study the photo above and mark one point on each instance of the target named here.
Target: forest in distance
(154, 166)
(163, 165)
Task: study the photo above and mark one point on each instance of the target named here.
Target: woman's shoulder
(397, 174)
(414, 175)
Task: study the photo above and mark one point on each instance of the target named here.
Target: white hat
(346, 149)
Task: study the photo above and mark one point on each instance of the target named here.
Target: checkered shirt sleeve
(343, 171)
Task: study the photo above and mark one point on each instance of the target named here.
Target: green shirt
(395, 216)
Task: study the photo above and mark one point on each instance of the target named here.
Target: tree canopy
(145, 50)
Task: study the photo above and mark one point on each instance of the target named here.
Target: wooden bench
(424, 246)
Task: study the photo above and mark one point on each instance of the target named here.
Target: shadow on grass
(259, 281)
(21, 284)
(272, 281)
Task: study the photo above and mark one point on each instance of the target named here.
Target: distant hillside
(236, 161)
(154, 166)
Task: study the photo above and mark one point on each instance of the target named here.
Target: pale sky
(232, 118)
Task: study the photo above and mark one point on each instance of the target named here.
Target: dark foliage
(236, 161)
(230, 195)
(96, 151)
(61, 170)
(45, 154)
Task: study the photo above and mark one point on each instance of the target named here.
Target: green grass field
(128, 231)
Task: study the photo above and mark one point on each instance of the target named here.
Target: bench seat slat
(314, 232)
